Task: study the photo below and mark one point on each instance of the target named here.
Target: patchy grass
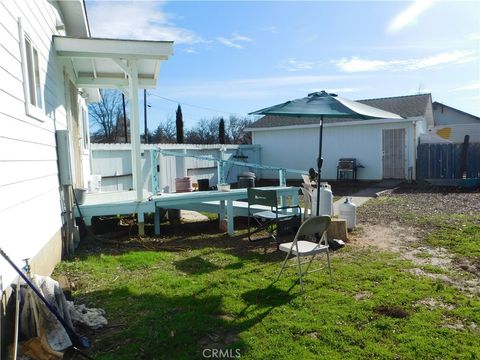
(210, 291)
(451, 221)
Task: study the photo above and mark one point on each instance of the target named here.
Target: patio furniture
(347, 166)
(277, 220)
(304, 248)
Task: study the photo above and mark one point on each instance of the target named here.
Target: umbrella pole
(319, 164)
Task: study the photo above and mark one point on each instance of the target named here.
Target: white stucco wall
(297, 148)
(30, 198)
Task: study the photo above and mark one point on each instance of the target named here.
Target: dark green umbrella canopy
(327, 105)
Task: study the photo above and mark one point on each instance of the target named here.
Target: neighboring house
(451, 126)
(49, 66)
(385, 148)
(447, 115)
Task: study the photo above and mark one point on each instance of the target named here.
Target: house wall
(444, 115)
(31, 200)
(297, 148)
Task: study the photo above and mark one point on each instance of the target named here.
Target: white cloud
(341, 90)
(234, 41)
(474, 36)
(357, 64)
(136, 20)
(474, 86)
(409, 16)
(271, 29)
(296, 65)
(252, 88)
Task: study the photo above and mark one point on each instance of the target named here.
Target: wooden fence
(446, 161)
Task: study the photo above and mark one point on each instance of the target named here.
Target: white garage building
(385, 148)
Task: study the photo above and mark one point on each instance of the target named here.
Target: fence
(444, 161)
(113, 162)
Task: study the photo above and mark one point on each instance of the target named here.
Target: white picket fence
(113, 163)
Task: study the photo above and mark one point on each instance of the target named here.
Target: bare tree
(207, 131)
(165, 132)
(106, 115)
(235, 130)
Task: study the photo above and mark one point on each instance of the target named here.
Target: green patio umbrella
(327, 105)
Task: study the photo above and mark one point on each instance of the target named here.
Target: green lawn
(175, 299)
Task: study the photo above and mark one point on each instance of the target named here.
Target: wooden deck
(226, 204)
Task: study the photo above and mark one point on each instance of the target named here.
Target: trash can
(246, 180)
(203, 184)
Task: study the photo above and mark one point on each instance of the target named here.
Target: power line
(191, 105)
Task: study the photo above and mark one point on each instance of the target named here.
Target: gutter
(338, 124)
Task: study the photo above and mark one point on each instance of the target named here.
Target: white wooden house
(49, 66)
(385, 148)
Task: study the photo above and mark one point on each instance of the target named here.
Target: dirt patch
(432, 304)
(392, 311)
(434, 263)
(218, 340)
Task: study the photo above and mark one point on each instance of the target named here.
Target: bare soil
(385, 226)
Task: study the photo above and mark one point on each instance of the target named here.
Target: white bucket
(95, 183)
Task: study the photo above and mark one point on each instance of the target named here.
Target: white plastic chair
(303, 248)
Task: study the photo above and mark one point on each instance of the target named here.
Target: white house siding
(297, 148)
(30, 201)
(444, 115)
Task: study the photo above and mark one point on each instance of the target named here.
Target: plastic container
(203, 184)
(326, 201)
(183, 185)
(348, 212)
(246, 180)
(223, 187)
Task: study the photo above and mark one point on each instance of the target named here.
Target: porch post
(135, 131)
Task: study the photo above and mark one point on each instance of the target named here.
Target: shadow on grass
(189, 236)
(156, 326)
(195, 265)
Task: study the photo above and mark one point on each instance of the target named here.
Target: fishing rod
(77, 340)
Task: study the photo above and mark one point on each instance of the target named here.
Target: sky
(235, 57)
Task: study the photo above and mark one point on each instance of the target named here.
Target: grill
(347, 166)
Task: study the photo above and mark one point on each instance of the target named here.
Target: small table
(193, 200)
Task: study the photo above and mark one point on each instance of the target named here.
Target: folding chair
(303, 248)
(277, 220)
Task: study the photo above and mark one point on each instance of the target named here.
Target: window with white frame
(34, 102)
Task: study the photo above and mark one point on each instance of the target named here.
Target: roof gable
(437, 104)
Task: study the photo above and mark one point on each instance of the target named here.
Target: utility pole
(145, 114)
(124, 118)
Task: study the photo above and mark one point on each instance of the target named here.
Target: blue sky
(234, 57)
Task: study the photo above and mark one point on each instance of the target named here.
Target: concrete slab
(361, 197)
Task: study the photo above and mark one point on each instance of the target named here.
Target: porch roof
(103, 63)
(127, 65)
